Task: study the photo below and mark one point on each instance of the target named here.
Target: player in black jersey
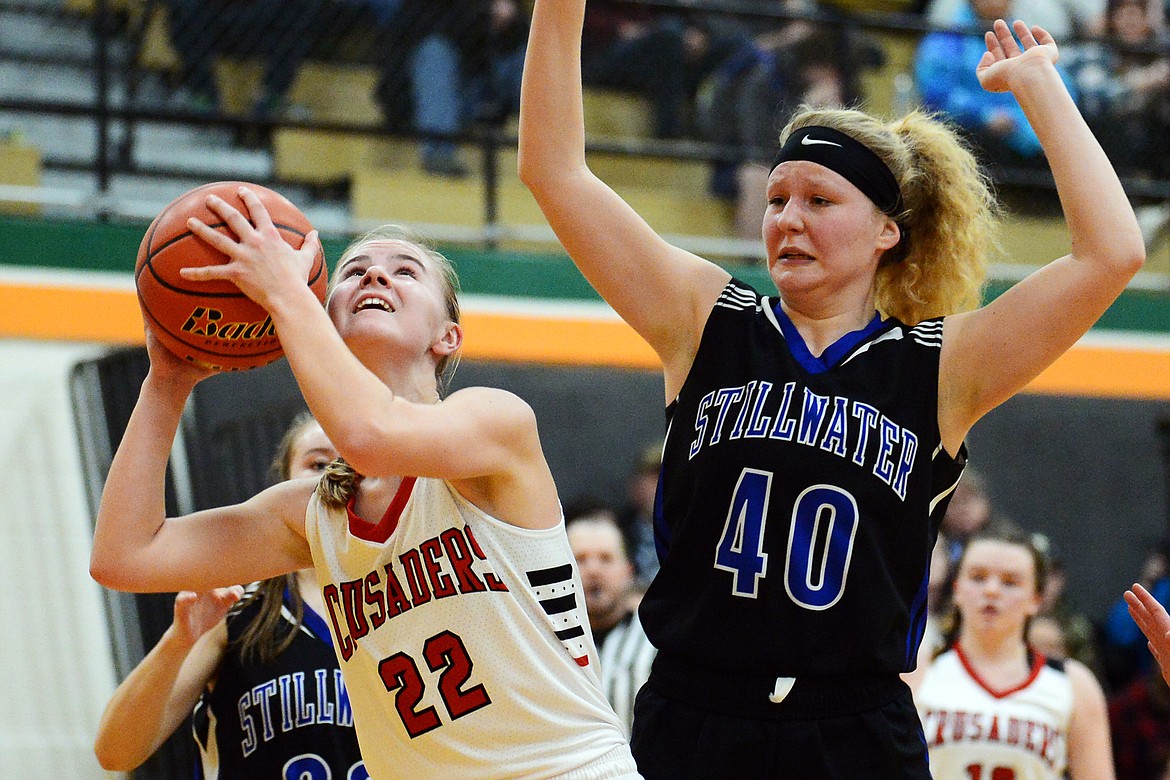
(814, 437)
(264, 682)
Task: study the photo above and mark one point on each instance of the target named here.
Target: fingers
(1143, 597)
(214, 238)
(1042, 36)
(1007, 41)
(1024, 33)
(994, 49)
(256, 210)
(232, 217)
(229, 595)
(312, 244)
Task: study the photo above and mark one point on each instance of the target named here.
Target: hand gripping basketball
(202, 315)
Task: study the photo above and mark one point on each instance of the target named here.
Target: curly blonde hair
(950, 216)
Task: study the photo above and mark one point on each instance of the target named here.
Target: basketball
(212, 323)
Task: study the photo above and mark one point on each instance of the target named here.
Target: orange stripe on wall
(1107, 371)
(547, 340)
(32, 311)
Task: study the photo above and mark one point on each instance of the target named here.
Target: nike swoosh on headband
(808, 140)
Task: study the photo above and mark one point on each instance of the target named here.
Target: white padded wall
(56, 669)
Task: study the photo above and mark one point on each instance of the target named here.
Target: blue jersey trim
(831, 356)
(919, 613)
(314, 622)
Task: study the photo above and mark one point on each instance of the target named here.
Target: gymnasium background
(1084, 456)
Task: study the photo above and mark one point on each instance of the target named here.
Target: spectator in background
(1124, 88)
(660, 55)
(624, 652)
(1077, 635)
(446, 64)
(282, 32)
(1046, 636)
(1139, 719)
(1062, 18)
(944, 72)
(968, 513)
(1123, 646)
(747, 100)
(636, 519)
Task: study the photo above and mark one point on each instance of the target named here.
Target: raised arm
(664, 293)
(992, 353)
(136, 547)
(483, 438)
(160, 693)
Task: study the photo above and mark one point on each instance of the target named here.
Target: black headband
(848, 157)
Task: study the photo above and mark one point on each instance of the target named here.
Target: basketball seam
(149, 264)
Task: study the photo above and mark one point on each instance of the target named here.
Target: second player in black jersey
(263, 681)
(814, 437)
(800, 498)
(284, 717)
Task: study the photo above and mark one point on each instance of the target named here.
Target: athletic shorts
(675, 740)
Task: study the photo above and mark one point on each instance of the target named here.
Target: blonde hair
(950, 213)
(339, 482)
(447, 275)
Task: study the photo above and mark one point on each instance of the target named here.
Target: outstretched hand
(1154, 622)
(1004, 57)
(261, 263)
(198, 613)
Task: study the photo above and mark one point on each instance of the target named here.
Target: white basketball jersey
(975, 733)
(463, 641)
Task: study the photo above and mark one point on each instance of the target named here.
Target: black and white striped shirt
(624, 654)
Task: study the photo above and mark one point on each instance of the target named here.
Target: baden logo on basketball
(205, 321)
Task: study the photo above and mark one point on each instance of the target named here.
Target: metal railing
(123, 100)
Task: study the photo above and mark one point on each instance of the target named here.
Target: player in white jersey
(438, 541)
(993, 708)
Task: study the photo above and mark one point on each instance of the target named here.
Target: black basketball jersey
(287, 719)
(799, 497)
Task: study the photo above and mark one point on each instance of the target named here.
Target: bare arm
(484, 438)
(137, 547)
(992, 353)
(162, 690)
(392, 435)
(663, 292)
(1090, 751)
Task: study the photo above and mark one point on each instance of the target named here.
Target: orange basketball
(212, 323)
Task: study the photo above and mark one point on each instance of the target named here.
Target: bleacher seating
(20, 165)
(380, 173)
